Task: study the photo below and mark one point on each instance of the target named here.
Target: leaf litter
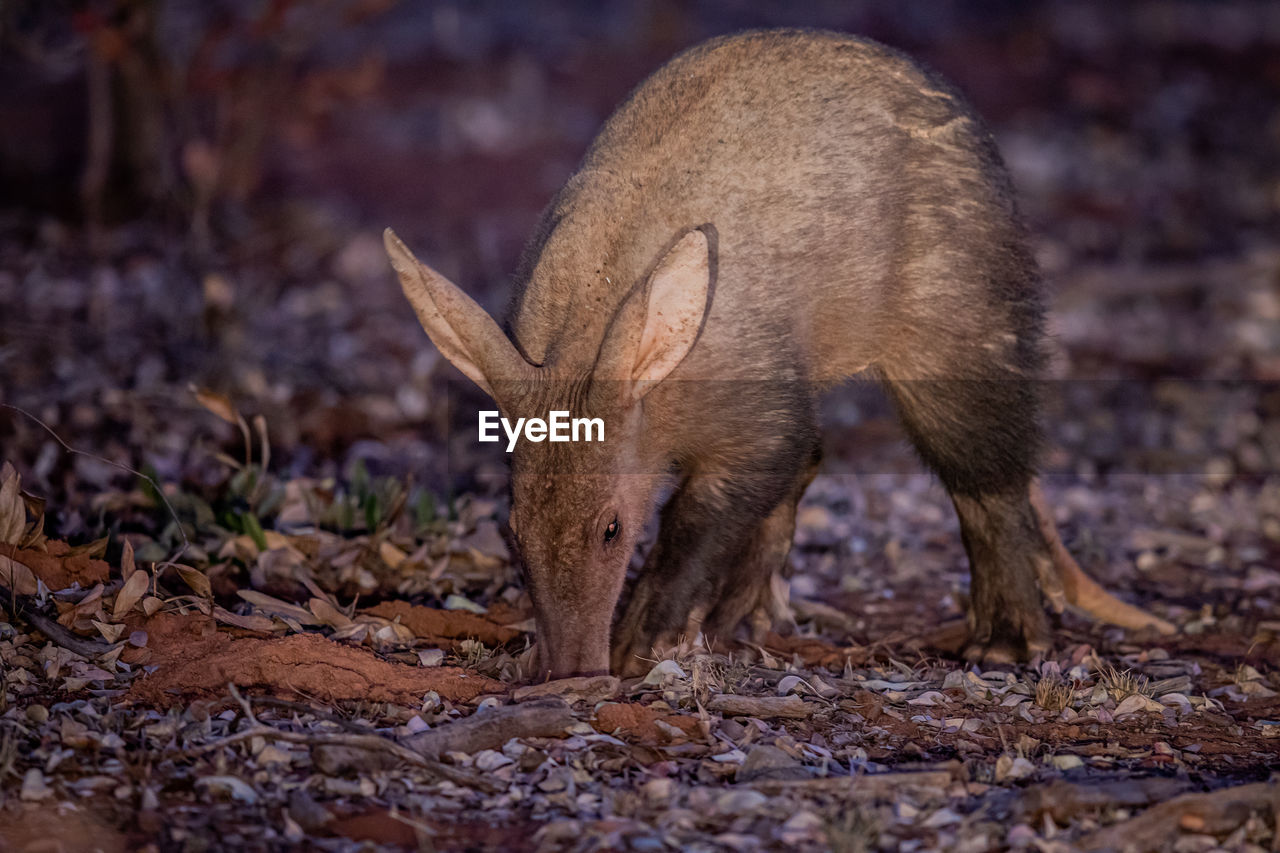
(238, 707)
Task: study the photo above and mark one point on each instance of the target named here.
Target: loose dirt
(58, 568)
(195, 662)
(444, 627)
(638, 723)
(52, 828)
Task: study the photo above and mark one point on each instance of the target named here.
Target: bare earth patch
(297, 666)
(640, 723)
(440, 626)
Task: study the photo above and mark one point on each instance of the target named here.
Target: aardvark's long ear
(463, 331)
(659, 322)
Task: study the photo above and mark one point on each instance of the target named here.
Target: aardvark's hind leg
(980, 437)
(1007, 558)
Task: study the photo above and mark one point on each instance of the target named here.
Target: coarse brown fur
(770, 213)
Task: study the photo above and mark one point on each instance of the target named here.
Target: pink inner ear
(677, 300)
(654, 327)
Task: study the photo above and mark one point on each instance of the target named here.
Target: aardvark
(767, 215)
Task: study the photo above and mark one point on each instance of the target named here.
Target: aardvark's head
(577, 506)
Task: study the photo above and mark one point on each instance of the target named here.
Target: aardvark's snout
(563, 652)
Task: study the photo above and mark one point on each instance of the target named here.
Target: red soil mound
(58, 570)
(441, 626)
(40, 827)
(196, 661)
(639, 723)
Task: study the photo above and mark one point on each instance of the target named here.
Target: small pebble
(740, 802)
(34, 787)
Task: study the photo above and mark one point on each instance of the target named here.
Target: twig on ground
(787, 707)
(1062, 800)
(318, 713)
(872, 785)
(369, 743)
(243, 703)
(1215, 813)
(824, 614)
(582, 689)
(21, 607)
(491, 729)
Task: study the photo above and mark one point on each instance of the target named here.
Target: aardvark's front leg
(700, 565)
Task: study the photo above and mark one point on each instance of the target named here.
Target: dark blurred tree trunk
(129, 151)
(164, 108)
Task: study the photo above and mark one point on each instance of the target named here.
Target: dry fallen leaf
(264, 443)
(328, 614)
(391, 555)
(130, 594)
(16, 577)
(196, 579)
(276, 607)
(221, 405)
(110, 631)
(245, 548)
(127, 564)
(218, 404)
(250, 622)
(13, 512)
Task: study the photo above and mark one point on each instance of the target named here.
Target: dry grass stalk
(1122, 685)
(1053, 693)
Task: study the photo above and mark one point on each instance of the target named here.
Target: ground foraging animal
(767, 215)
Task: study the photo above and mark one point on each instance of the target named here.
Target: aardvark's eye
(611, 531)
